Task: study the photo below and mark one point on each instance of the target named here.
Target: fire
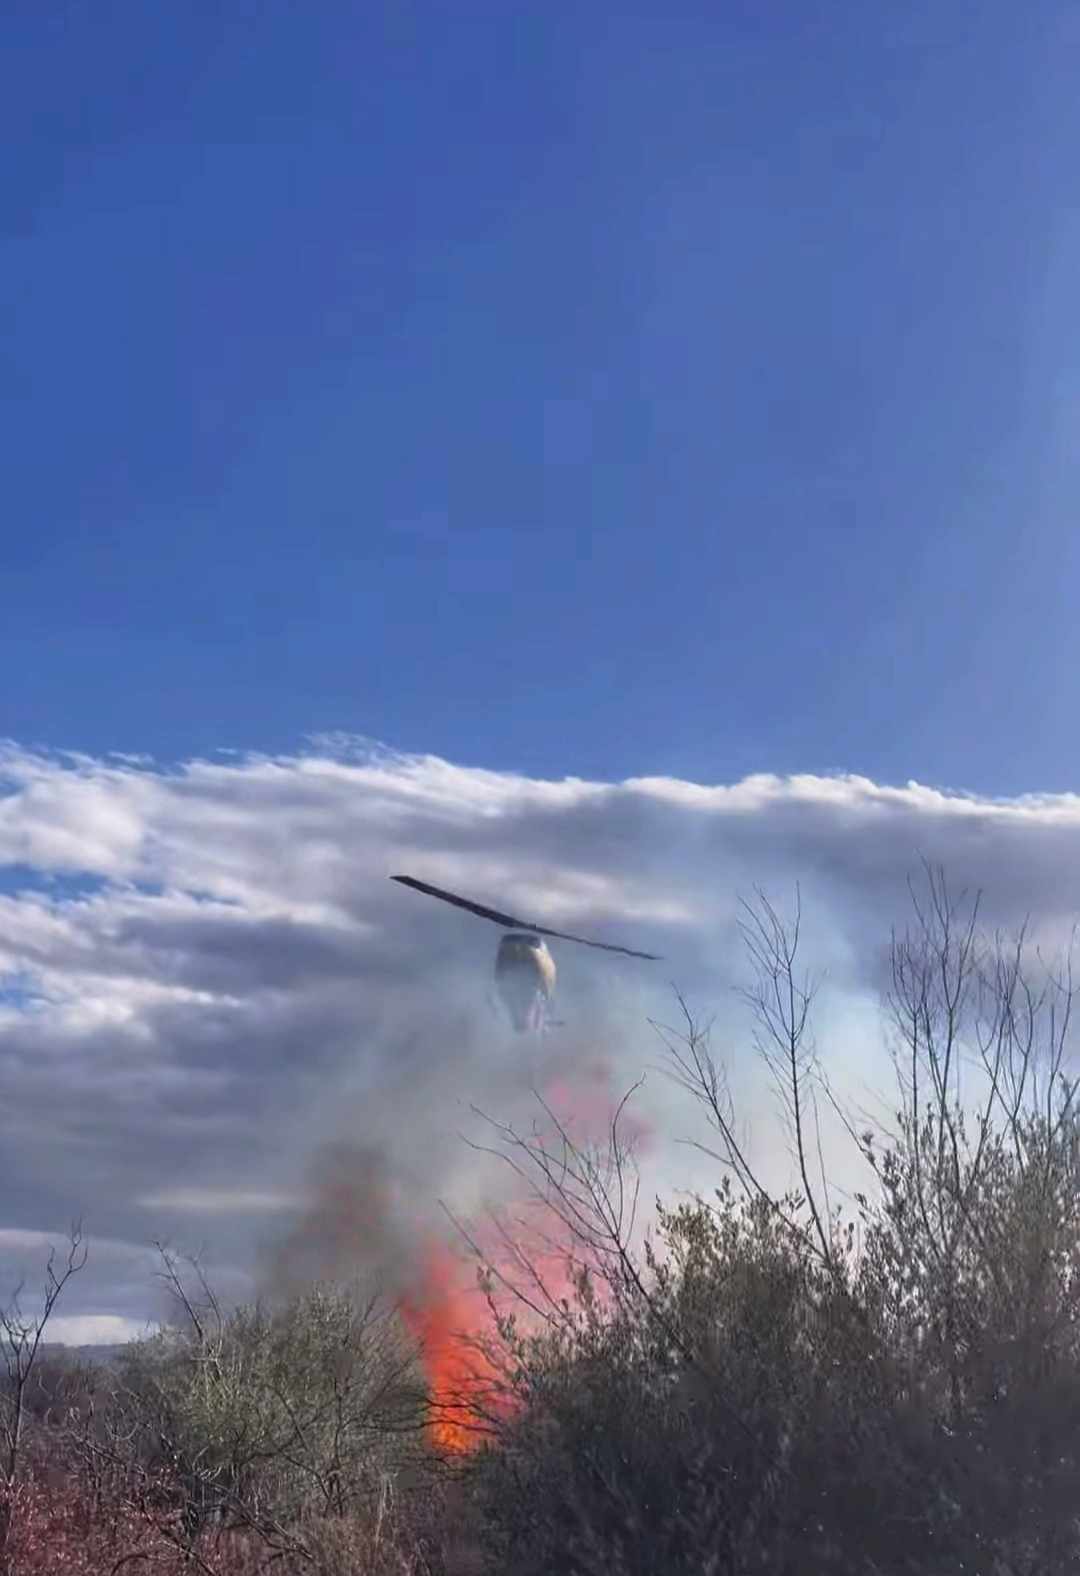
(448, 1316)
(443, 1314)
(586, 1101)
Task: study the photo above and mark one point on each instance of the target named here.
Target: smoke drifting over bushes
(217, 1015)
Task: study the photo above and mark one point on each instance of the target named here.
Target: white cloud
(95, 1329)
(219, 1201)
(210, 977)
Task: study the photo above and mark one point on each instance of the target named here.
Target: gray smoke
(217, 1013)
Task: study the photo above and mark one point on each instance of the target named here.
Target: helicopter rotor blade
(508, 921)
(604, 946)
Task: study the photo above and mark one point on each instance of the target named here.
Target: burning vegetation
(453, 1329)
(773, 1383)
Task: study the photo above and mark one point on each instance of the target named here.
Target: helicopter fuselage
(525, 977)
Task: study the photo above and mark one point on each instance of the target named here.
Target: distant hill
(85, 1354)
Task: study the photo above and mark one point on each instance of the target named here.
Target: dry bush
(779, 1387)
(56, 1527)
(774, 1384)
(59, 1529)
(265, 1416)
(724, 1416)
(231, 1439)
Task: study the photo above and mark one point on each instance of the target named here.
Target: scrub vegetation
(886, 1382)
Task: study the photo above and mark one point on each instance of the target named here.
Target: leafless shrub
(21, 1336)
(263, 1421)
(775, 1385)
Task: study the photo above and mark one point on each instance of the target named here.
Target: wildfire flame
(442, 1315)
(448, 1317)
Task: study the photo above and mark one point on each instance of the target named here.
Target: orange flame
(442, 1316)
(447, 1316)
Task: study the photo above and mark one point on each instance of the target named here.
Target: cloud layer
(207, 981)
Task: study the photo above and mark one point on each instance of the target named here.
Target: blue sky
(597, 389)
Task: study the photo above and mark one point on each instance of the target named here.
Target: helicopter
(525, 971)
